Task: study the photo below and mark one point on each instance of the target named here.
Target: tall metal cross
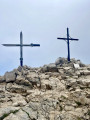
(21, 45)
(67, 40)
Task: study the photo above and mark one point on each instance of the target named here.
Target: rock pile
(58, 91)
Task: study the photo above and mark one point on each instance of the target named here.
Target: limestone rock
(84, 82)
(2, 79)
(49, 68)
(8, 110)
(86, 72)
(61, 61)
(57, 91)
(44, 76)
(10, 76)
(52, 68)
(14, 88)
(76, 66)
(31, 113)
(22, 81)
(22, 115)
(11, 117)
(18, 100)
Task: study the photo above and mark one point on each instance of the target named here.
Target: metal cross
(67, 40)
(21, 45)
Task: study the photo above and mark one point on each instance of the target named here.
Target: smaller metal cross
(21, 45)
(67, 40)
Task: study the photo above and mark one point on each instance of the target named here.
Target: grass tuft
(7, 114)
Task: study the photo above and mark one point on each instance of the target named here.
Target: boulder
(2, 79)
(18, 100)
(31, 113)
(22, 115)
(69, 108)
(22, 81)
(7, 110)
(49, 68)
(33, 78)
(61, 61)
(76, 66)
(14, 88)
(52, 68)
(10, 76)
(84, 82)
(86, 72)
(44, 76)
(71, 84)
(32, 75)
(12, 117)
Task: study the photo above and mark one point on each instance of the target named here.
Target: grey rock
(49, 68)
(61, 61)
(52, 68)
(7, 110)
(12, 117)
(22, 115)
(10, 76)
(84, 82)
(34, 79)
(22, 81)
(2, 79)
(31, 113)
(20, 68)
(14, 88)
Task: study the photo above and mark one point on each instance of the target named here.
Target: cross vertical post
(21, 49)
(68, 44)
(67, 40)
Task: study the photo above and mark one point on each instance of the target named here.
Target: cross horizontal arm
(33, 45)
(18, 45)
(69, 39)
(11, 45)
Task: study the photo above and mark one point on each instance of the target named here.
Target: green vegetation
(61, 108)
(4, 115)
(78, 103)
(88, 112)
(63, 97)
(7, 114)
(79, 118)
(14, 111)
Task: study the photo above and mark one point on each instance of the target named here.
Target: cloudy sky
(42, 21)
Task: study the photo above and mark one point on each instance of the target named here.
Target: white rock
(12, 117)
(7, 110)
(76, 66)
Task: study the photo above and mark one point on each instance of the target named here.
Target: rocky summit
(58, 91)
